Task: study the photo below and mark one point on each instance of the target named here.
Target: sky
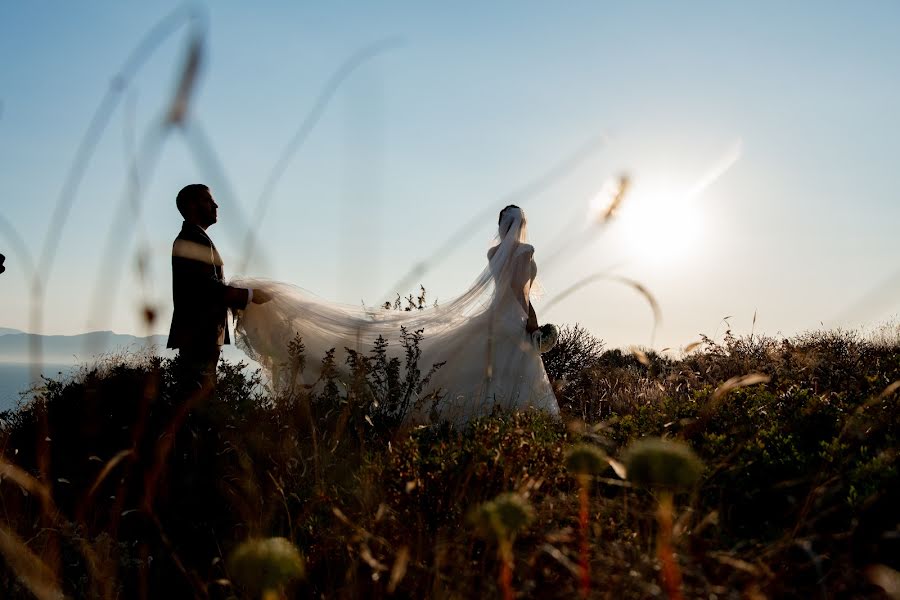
(760, 142)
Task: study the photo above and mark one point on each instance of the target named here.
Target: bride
(485, 341)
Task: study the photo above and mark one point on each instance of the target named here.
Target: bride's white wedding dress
(489, 360)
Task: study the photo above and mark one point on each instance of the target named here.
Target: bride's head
(508, 216)
(512, 217)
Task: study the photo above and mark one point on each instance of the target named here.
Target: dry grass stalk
(398, 570)
(886, 578)
(692, 346)
(31, 570)
(640, 355)
(623, 182)
(738, 382)
(606, 276)
(180, 103)
(25, 481)
(107, 468)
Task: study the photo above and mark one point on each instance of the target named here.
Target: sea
(16, 378)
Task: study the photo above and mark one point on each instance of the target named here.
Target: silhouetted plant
(412, 302)
(296, 360)
(584, 461)
(265, 567)
(501, 519)
(385, 373)
(576, 349)
(666, 466)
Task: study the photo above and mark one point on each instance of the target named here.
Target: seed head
(503, 517)
(264, 564)
(586, 459)
(655, 462)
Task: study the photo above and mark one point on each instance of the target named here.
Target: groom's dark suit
(201, 297)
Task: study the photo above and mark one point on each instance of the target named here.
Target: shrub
(808, 457)
(576, 350)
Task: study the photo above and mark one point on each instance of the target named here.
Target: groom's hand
(261, 296)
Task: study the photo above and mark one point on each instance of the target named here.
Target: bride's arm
(521, 285)
(532, 324)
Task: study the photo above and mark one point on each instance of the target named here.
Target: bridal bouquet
(545, 337)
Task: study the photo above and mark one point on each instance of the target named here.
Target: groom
(201, 296)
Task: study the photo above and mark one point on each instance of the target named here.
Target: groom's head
(196, 205)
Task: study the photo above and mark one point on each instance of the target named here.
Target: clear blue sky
(476, 101)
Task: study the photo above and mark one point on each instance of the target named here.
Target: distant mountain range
(61, 354)
(15, 346)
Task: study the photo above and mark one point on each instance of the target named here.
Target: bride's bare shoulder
(526, 249)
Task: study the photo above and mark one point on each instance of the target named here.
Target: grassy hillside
(109, 489)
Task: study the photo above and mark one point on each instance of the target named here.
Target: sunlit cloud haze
(761, 143)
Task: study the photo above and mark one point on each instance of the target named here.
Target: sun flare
(660, 225)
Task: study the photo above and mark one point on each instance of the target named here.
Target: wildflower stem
(271, 594)
(583, 481)
(671, 575)
(506, 560)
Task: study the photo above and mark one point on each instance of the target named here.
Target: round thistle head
(586, 459)
(656, 462)
(513, 512)
(503, 517)
(258, 565)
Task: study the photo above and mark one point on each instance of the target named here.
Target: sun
(660, 223)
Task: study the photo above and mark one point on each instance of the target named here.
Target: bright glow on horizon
(662, 221)
(660, 224)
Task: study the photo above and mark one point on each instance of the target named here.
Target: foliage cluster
(797, 498)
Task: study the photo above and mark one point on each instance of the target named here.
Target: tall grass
(797, 497)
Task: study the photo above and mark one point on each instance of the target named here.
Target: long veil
(267, 331)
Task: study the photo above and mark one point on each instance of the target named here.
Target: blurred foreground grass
(797, 496)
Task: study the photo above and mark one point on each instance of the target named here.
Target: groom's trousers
(198, 372)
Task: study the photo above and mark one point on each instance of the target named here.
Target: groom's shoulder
(191, 234)
(192, 245)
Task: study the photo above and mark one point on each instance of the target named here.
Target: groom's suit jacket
(201, 297)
